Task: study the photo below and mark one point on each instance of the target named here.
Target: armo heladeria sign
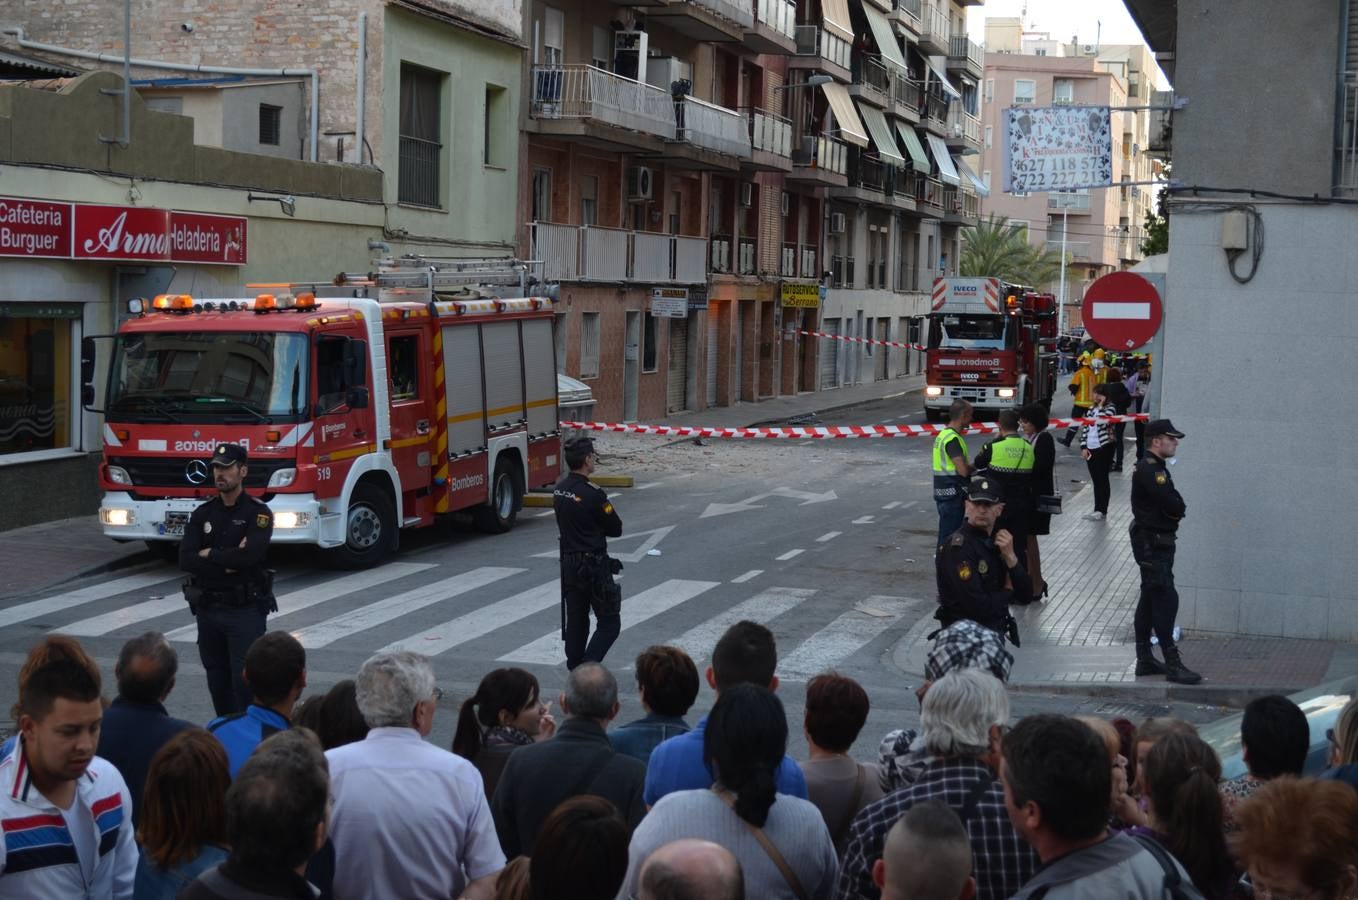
(1057, 148)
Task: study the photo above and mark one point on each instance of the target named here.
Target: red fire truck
(378, 402)
(989, 342)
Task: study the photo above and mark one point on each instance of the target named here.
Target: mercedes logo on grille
(196, 472)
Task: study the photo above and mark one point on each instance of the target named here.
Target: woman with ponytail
(781, 842)
(1185, 812)
(505, 712)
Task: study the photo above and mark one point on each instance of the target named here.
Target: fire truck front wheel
(370, 529)
(506, 497)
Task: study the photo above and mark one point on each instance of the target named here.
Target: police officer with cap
(1157, 509)
(978, 572)
(229, 590)
(586, 520)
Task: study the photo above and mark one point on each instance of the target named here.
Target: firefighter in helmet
(1082, 389)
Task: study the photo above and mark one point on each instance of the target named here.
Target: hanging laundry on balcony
(841, 104)
(938, 70)
(919, 160)
(887, 150)
(886, 39)
(835, 14)
(970, 175)
(943, 159)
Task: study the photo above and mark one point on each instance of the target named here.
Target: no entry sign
(1122, 311)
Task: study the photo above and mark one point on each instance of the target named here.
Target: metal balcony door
(631, 372)
(829, 356)
(712, 336)
(676, 386)
(882, 353)
(739, 352)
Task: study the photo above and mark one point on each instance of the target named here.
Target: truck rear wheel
(506, 498)
(369, 529)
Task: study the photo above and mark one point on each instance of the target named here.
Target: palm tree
(995, 248)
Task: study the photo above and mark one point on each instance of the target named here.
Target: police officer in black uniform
(229, 590)
(1157, 509)
(975, 563)
(585, 520)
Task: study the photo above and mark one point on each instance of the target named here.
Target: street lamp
(813, 81)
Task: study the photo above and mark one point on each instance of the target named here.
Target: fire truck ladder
(423, 279)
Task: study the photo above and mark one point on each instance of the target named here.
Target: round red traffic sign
(1122, 311)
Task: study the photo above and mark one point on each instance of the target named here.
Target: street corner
(911, 653)
(37, 557)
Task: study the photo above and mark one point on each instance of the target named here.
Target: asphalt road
(828, 542)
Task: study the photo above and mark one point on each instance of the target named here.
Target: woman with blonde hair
(183, 816)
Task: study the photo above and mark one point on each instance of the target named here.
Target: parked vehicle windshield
(221, 376)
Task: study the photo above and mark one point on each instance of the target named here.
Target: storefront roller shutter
(829, 356)
(676, 386)
(712, 337)
(462, 368)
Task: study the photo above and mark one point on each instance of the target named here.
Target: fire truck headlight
(288, 519)
(118, 475)
(1005, 393)
(282, 478)
(933, 391)
(117, 517)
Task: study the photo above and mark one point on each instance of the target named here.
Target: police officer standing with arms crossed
(1157, 509)
(978, 572)
(229, 590)
(586, 520)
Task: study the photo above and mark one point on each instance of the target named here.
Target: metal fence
(1348, 148)
(584, 92)
(689, 266)
(711, 126)
(780, 15)
(603, 253)
(558, 246)
(594, 253)
(769, 132)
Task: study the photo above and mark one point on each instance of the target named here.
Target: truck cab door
(413, 430)
(342, 408)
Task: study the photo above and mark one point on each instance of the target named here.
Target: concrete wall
(1267, 547)
(240, 119)
(1249, 123)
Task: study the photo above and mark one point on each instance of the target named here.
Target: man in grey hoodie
(1057, 785)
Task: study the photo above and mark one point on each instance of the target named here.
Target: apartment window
(496, 125)
(648, 344)
(1025, 90)
(1019, 225)
(601, 42)
(989, 89)
(270, 124)
(553, 36)
(589, 200)
(989, 135)
(420, 130)
(985, 179)
(542, 195)
(589, 345)
(676, 204)
(1063, 91)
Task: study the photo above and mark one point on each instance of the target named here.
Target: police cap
(229, 455)
(1162, 426)
(578, 446)
(984, 490)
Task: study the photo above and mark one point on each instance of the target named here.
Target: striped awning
(943, 159)
(841, 105)
(885, 37)
(835, 15)
(967, 173)
(938, 66)
(881, 135)
(918, 158)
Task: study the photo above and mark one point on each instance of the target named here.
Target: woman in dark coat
(1033, 421)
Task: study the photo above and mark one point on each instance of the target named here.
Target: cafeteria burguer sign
(43, 229)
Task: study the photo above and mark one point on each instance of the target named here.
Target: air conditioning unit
(837, 223)
(747, 195)
(1090, 49)
(665, 71)
(787, 203)
(640, 183)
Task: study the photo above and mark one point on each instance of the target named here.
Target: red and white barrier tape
(823, 431)
(858, 340)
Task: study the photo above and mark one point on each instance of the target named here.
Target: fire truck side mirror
(87, 356)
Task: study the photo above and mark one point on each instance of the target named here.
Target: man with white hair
(963, 719)
(410, 819)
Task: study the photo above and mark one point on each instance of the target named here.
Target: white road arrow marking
(656, 535)
(807, 498)
(864, 520)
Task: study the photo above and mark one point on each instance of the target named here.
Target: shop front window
(35, 376)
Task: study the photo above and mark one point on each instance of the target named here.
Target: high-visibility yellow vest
(1011, 455)
(943, 464)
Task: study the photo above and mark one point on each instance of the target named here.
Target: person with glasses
(585, 520)
(1296, 839)
(1343, 738)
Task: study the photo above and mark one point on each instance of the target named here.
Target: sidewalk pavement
(778, 409)
(43, 556)
(1080, 640)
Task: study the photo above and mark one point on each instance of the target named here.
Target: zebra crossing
(504, 614)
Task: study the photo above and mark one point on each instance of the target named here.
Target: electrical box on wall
(1235, 231)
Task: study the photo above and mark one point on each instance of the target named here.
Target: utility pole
(1061, 303)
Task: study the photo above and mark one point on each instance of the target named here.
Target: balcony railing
(713, 127)
(1074, 249)
(780, 15)
(905, 92)
(841, 271)
(418, 179)
(593, 253)
(815, 41)
(912, 10)
(741, 14)
(808, 261)
(823, 152)
(770, 133)
(798, 261)
(1072, 200)
(584, 92)
(929, 191)
(872, 73)
(867, 173)
(961, 48)
(934, 108)
(748, 257)
(934, 25)
(719, 253)
(963, 123)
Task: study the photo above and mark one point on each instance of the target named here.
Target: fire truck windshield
(963, 332)
(209, 376)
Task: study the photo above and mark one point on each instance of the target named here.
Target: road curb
(835, 408)
(122, 562)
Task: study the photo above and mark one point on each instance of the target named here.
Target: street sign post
(1122, 311)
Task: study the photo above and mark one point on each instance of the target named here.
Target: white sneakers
(1094, 516)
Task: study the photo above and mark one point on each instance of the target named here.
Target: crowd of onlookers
(340, 795)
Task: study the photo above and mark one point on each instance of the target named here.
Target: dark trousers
(224, 634)
(1159, 603)
(580, 597)
(1140, 428)
(951, 514)
(1120, 436)
(1075, 413)
(1099, 462)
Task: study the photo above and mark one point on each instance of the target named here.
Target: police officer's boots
(1146, 663)
(1177, 672)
